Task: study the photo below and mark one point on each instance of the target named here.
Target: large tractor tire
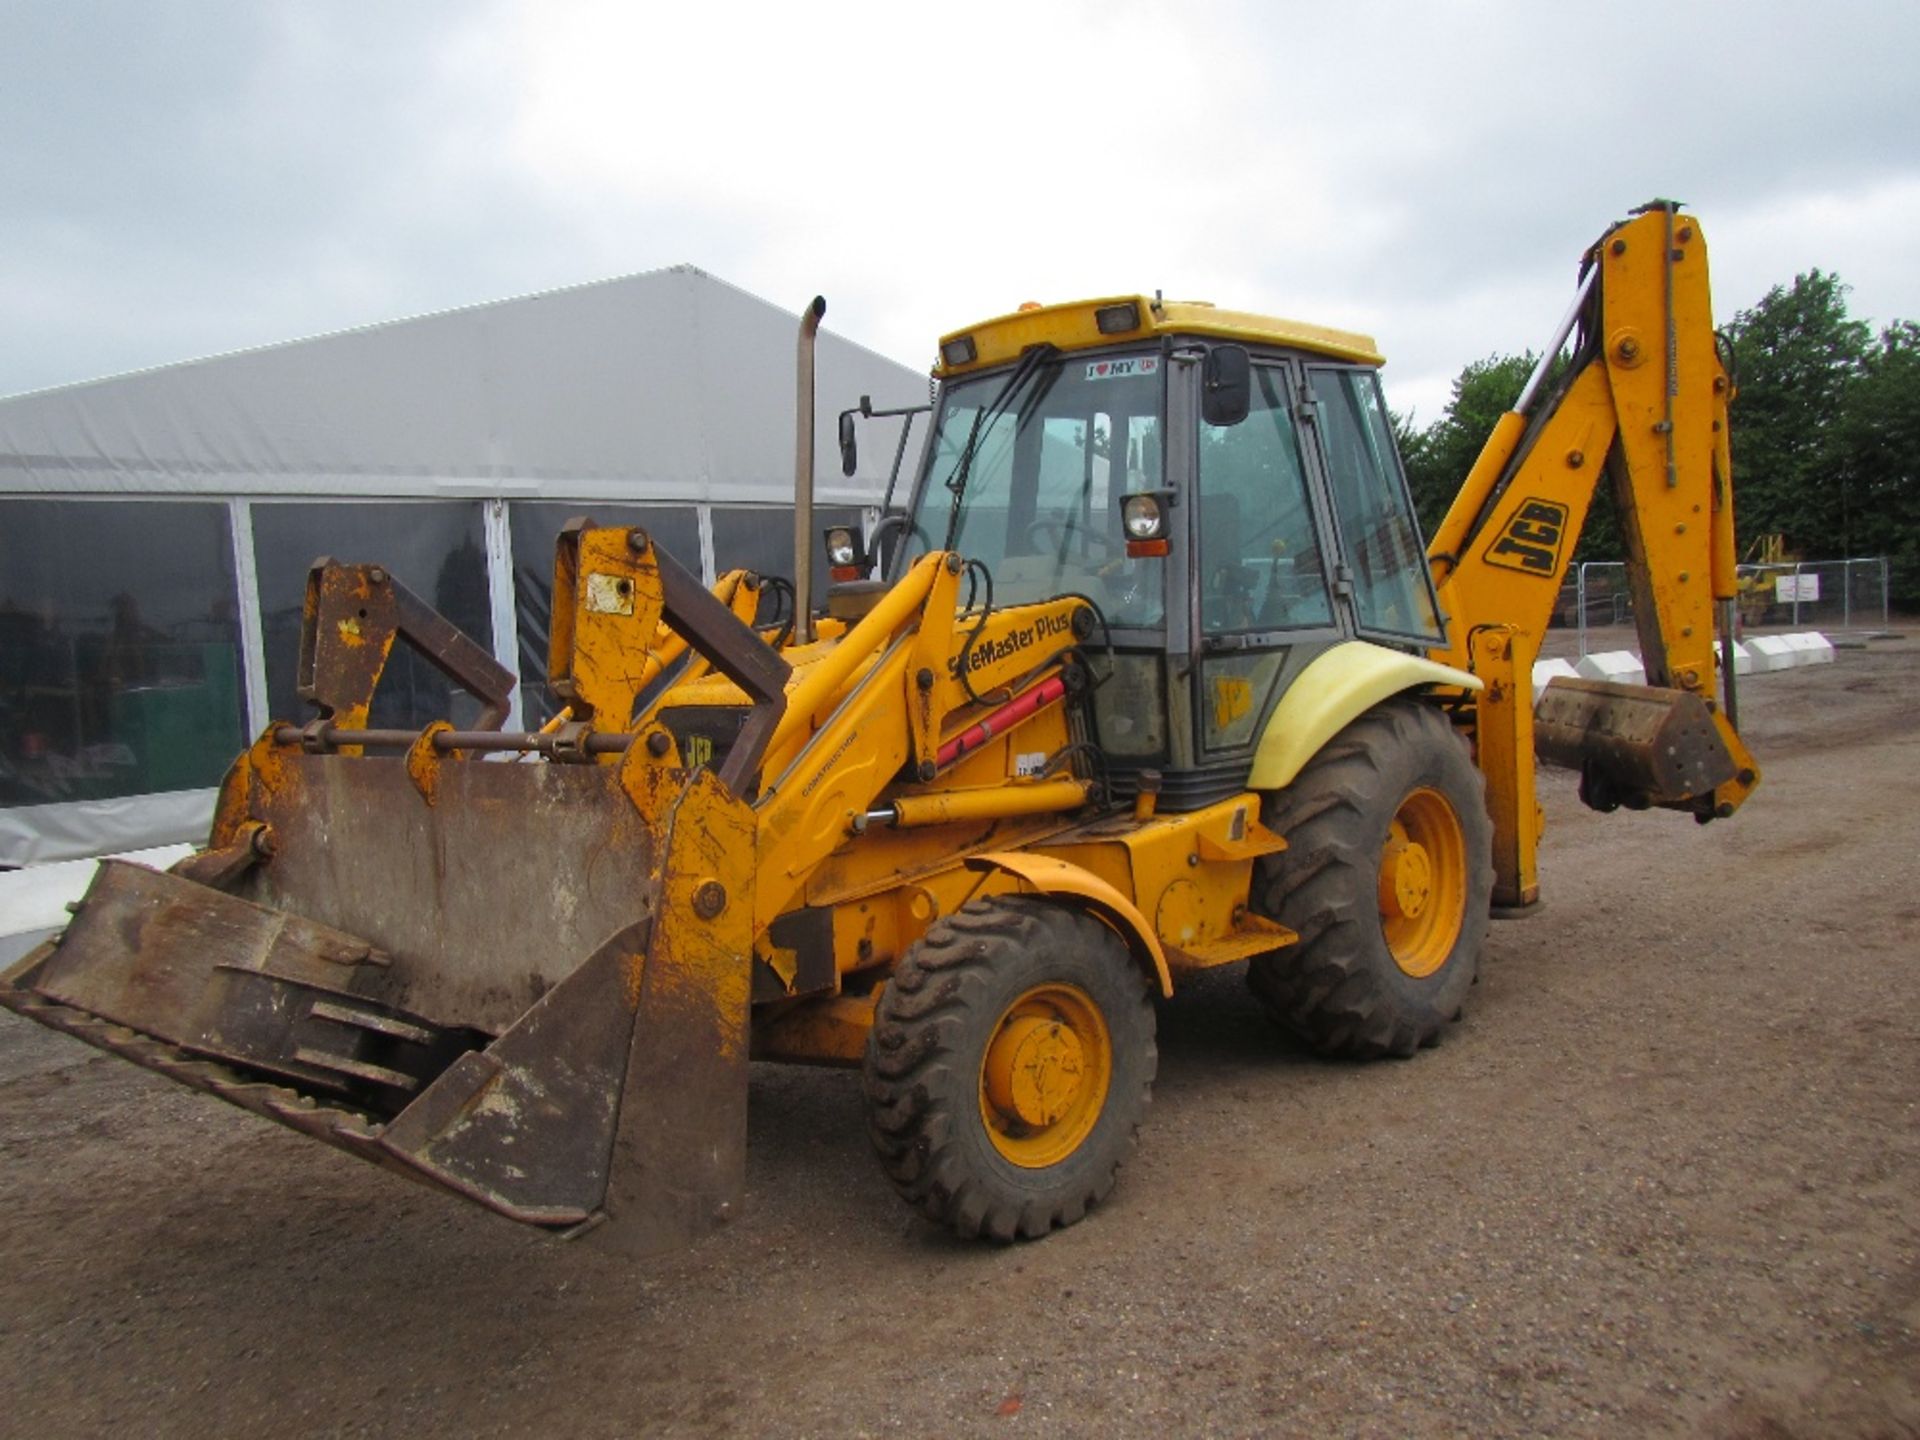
(1386, 877)
(1010, 1064)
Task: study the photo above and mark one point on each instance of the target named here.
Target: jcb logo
(1531, 542)
(697, 751)
(1232, 698)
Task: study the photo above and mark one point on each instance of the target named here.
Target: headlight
(1144, 517)
(846, 553)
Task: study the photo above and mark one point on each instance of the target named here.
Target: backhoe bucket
(525, 983)
(1634, 745)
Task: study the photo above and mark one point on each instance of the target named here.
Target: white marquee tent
(156, 528)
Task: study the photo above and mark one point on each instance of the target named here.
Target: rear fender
(1333, 691)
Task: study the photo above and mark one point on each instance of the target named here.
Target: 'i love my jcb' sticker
(1122, 369)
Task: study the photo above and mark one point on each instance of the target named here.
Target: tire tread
(938, 995)
(1330, 989)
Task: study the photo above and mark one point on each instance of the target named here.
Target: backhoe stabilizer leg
(1502, 655)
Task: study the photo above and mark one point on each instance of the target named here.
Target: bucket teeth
(489, 1029)
(370, 1021)
(349, 1129)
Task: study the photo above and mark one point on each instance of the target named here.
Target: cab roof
(1077, 325)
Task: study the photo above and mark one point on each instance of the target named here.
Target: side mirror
(849, 451)
(1226, 386)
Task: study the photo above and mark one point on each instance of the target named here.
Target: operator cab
(1223, 487)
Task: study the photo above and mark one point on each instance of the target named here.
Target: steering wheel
(1226, 596)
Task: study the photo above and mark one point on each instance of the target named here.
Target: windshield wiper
(956, 482)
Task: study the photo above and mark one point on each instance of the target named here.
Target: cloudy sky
(187, 178)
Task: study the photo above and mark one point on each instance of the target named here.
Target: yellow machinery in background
(1160, 679)
(1767, 557)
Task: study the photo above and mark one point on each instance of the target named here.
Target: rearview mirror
(1226, 386)
(849, 452)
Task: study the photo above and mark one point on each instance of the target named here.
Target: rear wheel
(1387, 877)
(1010, 1064)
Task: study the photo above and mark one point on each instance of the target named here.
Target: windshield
(1039, 468)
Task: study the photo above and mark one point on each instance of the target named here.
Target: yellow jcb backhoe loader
(1161, 680)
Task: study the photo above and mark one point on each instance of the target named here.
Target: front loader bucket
(525, 983)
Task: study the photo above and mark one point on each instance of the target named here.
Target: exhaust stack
(803, 539)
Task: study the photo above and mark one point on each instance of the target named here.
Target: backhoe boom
(1644, 402)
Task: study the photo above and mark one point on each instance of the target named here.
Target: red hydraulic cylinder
(1002, 720)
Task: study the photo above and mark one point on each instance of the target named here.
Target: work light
(1143, 517)
(846, 555)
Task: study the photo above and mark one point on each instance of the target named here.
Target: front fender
(1052, 876)
(1330, 694)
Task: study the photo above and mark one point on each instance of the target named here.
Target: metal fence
(1843, 595)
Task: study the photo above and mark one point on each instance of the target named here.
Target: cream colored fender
(1330, 694)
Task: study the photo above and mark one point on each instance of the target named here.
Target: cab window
(1040, 472)
(1392, 590)
(1261, 566)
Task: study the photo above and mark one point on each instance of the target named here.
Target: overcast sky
(186, 178)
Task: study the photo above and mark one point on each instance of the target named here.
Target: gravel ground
(1661, 1180)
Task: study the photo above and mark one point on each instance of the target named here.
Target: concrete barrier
(1742, 661)
(1810, 648)
(1771, 652)
(1545, 670)
(1620, 666)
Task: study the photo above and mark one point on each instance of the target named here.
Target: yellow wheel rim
(1423, 883)
(1044, 1077)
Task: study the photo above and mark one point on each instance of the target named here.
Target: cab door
(1380, 573)
(1263, 576)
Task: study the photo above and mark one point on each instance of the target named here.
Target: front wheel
(1010, 1064)
(1387, 878)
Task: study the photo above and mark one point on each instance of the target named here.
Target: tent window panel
(436, 549)
(761, 539)
(533, 525)
(120, 655)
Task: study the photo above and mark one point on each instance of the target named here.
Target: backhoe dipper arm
(1644, 400)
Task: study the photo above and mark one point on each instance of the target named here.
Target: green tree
(1876, 448)
(1438, 458)
(1797, 357)
(1826, 433)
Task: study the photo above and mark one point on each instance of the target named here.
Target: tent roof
(671, 384)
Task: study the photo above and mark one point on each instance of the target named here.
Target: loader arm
(1644, 403)
(530, 984)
